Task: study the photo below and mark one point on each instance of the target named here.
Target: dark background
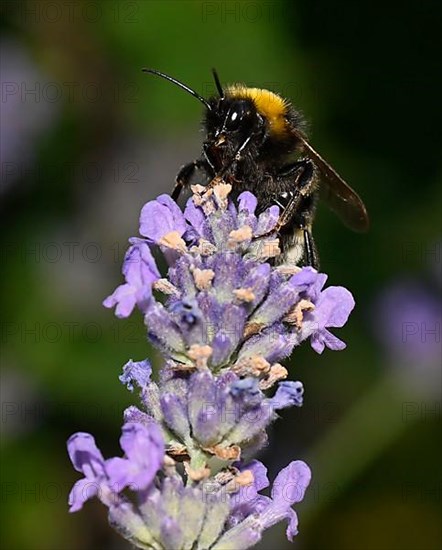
(86, 140)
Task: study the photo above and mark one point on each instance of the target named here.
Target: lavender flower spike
(223, 317)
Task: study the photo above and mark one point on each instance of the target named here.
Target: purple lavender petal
(133, 415)
(195, 216)
(138, 372)
(217, 511)
(151, 506)
(247, 201)
(291, 483)
(211, 310)
(126, 519)
(140, 271)
(289, 487)
(125, 298)
(86, 458)
(308, 279)
(167, 201)
(288, 394)
(221, 224)
(246, 392)
(85, 455)
(251, 423)
(274, 344)
(144, 449)
(246, 500)
(174, 410)
(244, 535)
(267, 221)
(247, 206)
(162, 330)
(82, 490)
(276, 280)
(281, 345)
(257, 280)
(324, 338)
(229, 273)
(276, 305)
(259, 471)
(180, 275)
(332, 309)
(241, 409)
(189, 318)
(204, 414)
(171, 534)
(191, 516)
(229, 331)
(223, 344)
(160, 217)
(335, 305)
(139, 266)
(226, 407)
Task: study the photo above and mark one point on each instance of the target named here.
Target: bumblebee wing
(338, 195)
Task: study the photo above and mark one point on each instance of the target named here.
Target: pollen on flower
(203, 278)
(173, 240)
(200, 354)
(243, 479)
(252, 366)
(252, 328)
(296, 315)
(238, 236)
(196, 474)
(199, 190)
(225, 453)
(177, 450)
(166, 287)
(225, 476)
(204, 248)
(221, 192)
(244, 294)
(181, 367)
(202, 197)
(277, 372)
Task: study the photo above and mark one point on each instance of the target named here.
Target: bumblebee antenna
(181, 85)
(218, 83)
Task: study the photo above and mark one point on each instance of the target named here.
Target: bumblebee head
(232, 119)
(240, 114)
(242, 109)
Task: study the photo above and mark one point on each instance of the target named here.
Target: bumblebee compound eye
(239, 115)
(233, 119)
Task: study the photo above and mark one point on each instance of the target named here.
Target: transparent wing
(338, 195)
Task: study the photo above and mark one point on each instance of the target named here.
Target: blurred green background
(86, 140)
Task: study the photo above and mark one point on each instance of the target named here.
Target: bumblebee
(256, 141)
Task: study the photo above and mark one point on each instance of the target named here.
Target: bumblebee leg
(303, 187)
(310, 253)
(300, 208)
(183, 177)
(293, 167)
